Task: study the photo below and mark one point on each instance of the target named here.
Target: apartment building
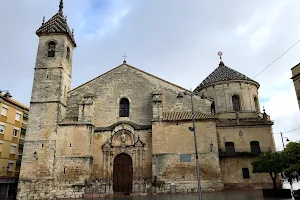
(296, 80)
(13, 124)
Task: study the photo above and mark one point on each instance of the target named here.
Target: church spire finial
(61, 6)
(220, 54)
(43, 20)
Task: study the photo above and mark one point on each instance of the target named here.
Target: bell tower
(54, 60)
(52, 81)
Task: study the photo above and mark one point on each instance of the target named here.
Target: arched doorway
(122, 174)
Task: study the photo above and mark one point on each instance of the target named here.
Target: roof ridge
(134, 69)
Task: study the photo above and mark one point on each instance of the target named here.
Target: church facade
(128, 132)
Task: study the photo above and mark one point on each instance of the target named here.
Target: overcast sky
(176, 40)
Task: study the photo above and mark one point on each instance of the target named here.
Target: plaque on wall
(185, 158)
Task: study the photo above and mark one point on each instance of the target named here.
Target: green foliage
(292, 154)
(269, 162)
(287, 161)
(290, 171)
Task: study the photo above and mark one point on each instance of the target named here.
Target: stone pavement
(228, 195)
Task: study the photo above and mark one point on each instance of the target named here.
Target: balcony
(241, 152)
(24, 126)
(23, 130)
(19, 157)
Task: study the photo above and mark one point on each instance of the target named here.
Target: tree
(270, 162)
(292, 154)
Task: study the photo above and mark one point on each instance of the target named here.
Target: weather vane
(220, 54)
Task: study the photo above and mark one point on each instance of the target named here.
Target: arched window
(68, 53)
(236, 103)
(51, 49)
(255, 148)
(256, 104)
(213, 108)
(124, 108)
(230, 150)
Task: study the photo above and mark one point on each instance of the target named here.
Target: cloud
(175, 40)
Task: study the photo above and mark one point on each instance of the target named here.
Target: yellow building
(296, 79)
(13, 123)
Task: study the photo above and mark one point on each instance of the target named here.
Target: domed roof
(223, 73)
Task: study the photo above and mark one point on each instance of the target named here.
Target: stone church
(128, 132)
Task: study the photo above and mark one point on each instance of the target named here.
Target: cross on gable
(124, 56)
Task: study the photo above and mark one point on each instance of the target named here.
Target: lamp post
(193, 128)
(287, 139)
(7, 94)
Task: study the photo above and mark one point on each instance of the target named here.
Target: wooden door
(122, 174)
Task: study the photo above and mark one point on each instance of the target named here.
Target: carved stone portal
(123, 141)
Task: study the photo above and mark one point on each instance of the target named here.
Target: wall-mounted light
(35, 155)
(211, 147)
(179, 95)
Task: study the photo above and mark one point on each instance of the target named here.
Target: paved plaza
(228, 195)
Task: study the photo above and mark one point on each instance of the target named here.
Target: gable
(131, 67)
(138, 87)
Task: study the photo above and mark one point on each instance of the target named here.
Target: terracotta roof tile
(181, 116)
(69, 121)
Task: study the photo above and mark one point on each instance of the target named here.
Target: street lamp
(287, 139)
(193, 128)
(7, 94)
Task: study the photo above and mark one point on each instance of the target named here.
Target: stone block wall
(37, 160)
(222, 94)
(52, 85)
(73, 170)
(48, 189)
(126, 82)
(60, 59)
(232, 176)
(173, 139)
(241, 136)
(42, 122)
(74, 140)
(168, 169)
